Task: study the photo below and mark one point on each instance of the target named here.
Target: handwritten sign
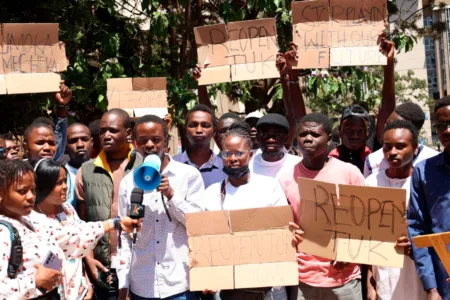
(355, 224)
(31, 55)
(241, 249)
(138, 96)
(338, 32)
(237, 51)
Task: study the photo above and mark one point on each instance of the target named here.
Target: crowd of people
(65, 199)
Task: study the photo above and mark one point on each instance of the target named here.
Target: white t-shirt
(260, 166)
(260, 191)
(395, 283)
(375, 162)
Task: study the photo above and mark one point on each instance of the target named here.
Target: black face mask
(236, 173)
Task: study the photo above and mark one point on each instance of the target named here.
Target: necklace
(56, 216)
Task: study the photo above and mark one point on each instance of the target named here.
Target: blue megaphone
(147, 176)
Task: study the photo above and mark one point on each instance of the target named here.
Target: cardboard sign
(138, 96)
(439, 242)
(355, 224)
(31, 56)
(338, 32)
(237, 51)
(241, 249)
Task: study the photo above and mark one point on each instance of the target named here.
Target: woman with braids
(45, 244)
(243, 190)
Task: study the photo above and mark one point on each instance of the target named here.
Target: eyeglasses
(238, 154)
(3, 152)
(441, 127)
(272, 135)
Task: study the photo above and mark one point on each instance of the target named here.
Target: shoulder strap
(16, 254)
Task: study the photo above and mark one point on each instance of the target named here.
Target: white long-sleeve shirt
(160, 266)
(39, 236)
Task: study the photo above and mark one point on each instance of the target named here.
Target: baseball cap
(355, 111)
(273, 119)
(254, 114)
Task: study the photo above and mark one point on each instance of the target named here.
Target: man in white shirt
(400, 143)
(408, 111)
(160, 268)
(272, 134)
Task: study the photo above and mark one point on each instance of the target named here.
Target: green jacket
(98, 193)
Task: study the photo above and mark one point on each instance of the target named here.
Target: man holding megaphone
(158, 266)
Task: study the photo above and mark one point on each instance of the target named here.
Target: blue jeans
(183, 296)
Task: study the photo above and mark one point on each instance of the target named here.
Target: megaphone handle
(165, 207)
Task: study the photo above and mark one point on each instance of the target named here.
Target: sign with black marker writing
(355, 224)
(138, 96)
(241, 249)
(338, 32)
(31, 58)
(237, 51)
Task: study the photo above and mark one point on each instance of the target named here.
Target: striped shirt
(211, 171)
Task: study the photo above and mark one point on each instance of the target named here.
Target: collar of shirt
(214, 162)
(171, 168)
(102, 162)
(72, 170)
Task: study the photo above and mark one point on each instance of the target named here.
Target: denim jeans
(183, 296)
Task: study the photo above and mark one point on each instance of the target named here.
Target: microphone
(137, 210)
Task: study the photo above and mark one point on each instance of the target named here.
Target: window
(427, 21)
(431, 62)
(432, 81)
(429, 44)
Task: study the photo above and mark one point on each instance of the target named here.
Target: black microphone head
(137, 196)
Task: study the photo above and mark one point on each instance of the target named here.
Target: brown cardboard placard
(323, 29)
(317, 200)
(364, 222)
(31, 54)
(240, 238)
(237, 51)
(138, 96)
(439, 242)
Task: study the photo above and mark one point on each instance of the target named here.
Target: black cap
(273, 119)
(355, 111)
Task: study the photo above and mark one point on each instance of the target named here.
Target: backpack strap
(16, 254)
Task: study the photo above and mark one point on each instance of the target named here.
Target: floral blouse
(40, 236)
(76, 283)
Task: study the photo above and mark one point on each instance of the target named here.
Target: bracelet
(61, 106)
(293, 81)
(284, 78)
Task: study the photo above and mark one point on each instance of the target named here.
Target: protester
(42, 239)
(12, 149)
(252, 119)
(429, 206)
(242, 190)
(320, 278)
(79, 147)
(353, 131)
(354, 124)
(224, 123)
(39, 142)
(162, 252)
(413, 113)
(400, 142)
(94, 127)
(3, 149)
(97, 189)
(272, 133)
(201, 127)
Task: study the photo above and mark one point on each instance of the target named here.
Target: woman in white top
(51, 196)
(242, 190)
(400, 144)
(45, 245)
